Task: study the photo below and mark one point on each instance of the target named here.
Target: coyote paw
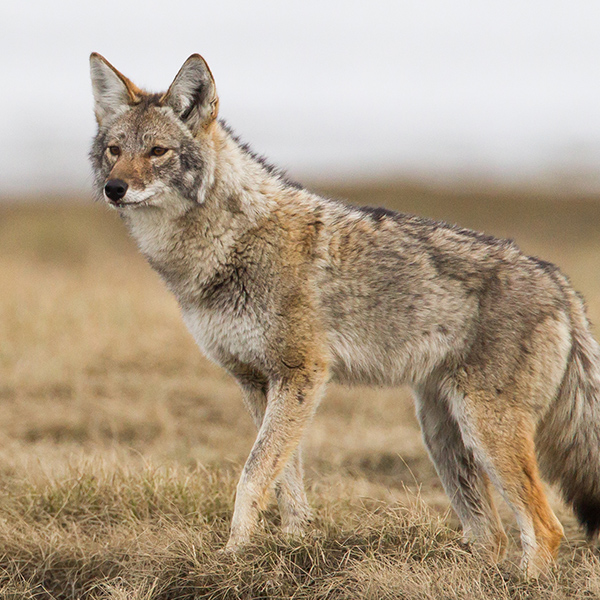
(294, 531)
(234, 546)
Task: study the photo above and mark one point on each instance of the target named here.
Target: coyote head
(154, 150)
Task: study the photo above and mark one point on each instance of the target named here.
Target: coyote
(287, 290)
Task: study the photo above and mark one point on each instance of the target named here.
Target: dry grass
(120, 444)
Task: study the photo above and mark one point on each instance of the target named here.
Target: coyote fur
(287, 290)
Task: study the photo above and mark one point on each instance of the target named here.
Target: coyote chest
(222, 336)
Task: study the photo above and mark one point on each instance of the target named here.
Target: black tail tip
(587, 511)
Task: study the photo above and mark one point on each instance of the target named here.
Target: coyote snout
(288, 290)
(115, 190)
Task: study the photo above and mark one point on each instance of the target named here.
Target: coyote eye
(158, 151)
(114, 150)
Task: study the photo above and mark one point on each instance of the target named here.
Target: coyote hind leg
(503, 440)
(461, 474)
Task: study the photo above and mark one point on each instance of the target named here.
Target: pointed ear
(193, 95)
(112, 91)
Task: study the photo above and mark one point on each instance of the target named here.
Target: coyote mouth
(123, 203)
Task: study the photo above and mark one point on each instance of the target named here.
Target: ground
(120, 444)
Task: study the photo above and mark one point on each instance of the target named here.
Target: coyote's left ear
(112, 90)
(193, 95)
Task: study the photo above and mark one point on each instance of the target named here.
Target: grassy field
(120, 444)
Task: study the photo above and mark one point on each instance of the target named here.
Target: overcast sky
(499, 88)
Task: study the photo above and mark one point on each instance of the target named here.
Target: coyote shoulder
(288, 290)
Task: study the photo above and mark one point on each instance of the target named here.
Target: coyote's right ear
(112, 90)
(193, 95)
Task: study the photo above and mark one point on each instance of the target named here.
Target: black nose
(115, 189)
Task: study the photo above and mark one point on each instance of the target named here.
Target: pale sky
(434, 88)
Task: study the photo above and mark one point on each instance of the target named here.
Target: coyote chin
(287, 290)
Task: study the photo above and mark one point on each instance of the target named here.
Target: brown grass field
(120, 444)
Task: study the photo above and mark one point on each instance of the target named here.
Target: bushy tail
(568, 438)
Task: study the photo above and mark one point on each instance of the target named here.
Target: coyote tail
(568, 437)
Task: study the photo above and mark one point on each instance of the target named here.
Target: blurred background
(502, 91)
(485, 114)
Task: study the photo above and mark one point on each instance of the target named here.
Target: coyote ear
(193, 95)
(112, 90)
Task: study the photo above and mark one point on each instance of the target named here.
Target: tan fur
(288, 290)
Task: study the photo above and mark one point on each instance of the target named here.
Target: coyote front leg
(291, 403)
(289, 489)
